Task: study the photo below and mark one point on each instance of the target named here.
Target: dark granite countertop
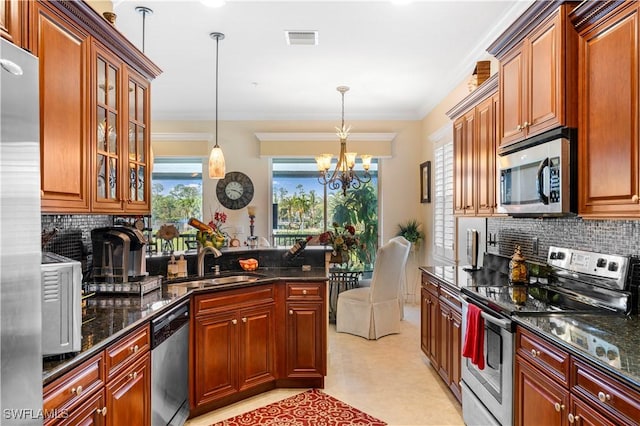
(609, 341)
(107, 318)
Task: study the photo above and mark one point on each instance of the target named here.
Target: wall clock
(235, 191)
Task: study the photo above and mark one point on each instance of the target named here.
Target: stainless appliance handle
(543, 197)
(506, 324)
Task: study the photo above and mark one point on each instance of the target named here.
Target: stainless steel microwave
(536, 181)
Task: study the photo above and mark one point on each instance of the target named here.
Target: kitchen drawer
(614, 397)
(237, 298)
(544, 355)
(450, 298)
(68, 390)
(430, 286)
(305, 291)
(121, 354)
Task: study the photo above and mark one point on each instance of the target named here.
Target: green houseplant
(412, 231)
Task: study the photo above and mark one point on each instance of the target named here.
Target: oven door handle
(506, 324)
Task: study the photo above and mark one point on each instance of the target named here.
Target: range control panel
(605, 266)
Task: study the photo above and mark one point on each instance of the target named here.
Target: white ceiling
(399, 60)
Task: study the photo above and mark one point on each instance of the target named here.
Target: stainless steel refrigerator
(20, 249)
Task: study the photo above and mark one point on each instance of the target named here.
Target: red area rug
(310, 408)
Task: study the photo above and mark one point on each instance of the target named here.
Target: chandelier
(343, 177)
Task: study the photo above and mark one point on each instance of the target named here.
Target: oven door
(492, 387)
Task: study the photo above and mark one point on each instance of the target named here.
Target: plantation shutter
(444, 223)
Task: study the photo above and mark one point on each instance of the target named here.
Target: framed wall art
(425, 182)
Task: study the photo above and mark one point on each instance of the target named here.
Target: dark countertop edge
(102, 345)
(451, 286)
(581, 355)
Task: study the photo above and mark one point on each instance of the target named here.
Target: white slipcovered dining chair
(373, 312)
(403, 274)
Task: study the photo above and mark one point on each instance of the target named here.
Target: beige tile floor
(388, 378)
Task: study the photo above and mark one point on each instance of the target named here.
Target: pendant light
(216, 158)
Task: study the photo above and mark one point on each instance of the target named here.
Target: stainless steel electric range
(572, 281)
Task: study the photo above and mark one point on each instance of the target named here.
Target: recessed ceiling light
(213, 3)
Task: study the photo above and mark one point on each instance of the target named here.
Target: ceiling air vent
(309, 38)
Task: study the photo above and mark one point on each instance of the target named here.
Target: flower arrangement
(342, 238)
(218, 236)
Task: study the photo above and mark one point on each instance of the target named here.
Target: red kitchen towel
(474, 338)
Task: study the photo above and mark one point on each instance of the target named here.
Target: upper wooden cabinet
(12, 13)
(608, 146)
(538, 84)
(94, 112)
(474, 150)
(63, 51)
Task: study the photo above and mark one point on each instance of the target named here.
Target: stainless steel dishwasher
(169, 367)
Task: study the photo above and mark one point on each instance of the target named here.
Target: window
(303, 206)
(177, 191)
(444, 223)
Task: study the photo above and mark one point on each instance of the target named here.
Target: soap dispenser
(182, 267)
(172, 268)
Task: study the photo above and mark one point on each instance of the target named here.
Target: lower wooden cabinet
(91, 412)
(441, 331)
(305, 353)
(129, 395)
(555, 387)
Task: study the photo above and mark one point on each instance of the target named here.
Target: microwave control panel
(554, 180)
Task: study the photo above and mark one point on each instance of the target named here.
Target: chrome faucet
(201, 252)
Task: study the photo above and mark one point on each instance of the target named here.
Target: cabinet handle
(102, 411)
(604, 397)
(133, 375)
(634, 198)
(304, 291)
(234, 321)
(558, 406)
(535, 353)
(134, 349)
(76, 391)
(244, 319)
(526, 124)
(573, 418)
(518, 127)
(290, 311)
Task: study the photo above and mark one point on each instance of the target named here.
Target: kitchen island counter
(107, 318)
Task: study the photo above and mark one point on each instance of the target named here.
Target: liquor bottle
(296, 249)
(200, 226)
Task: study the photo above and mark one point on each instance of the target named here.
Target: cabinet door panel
(91, 413)
(608, 142)
(62, 51)
(486, 153)
(129, 395)
(544, 73)
(468, 157)
(11, 19)
(585, 415)
(305, 349)
(214, 369)
(536, 398)
(257, 346)
(512, 92)
(444, 353)
(459, 165)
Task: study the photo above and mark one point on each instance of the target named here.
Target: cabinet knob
(290, 311)
(634, 198)
(133, 375)
(244, 319)
(518, 127)
(76, 391)
(526, 124)
(134, 349)
(558, 406)
(234, 321)
(102, 411)
(604, 397)
(535, 353)
(304, 291)
(573, 418)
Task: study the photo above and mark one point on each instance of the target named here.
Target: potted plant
(411, 231)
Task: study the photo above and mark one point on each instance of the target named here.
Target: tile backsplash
(621, 237)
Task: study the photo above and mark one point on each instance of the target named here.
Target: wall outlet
(534, 246)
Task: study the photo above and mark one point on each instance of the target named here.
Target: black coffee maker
(119, 254)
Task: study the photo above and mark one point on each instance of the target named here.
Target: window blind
(444, 223)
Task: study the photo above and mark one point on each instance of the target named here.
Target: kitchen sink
(211, 282)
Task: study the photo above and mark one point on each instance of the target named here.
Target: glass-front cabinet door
(107, 192)
(138, 159)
